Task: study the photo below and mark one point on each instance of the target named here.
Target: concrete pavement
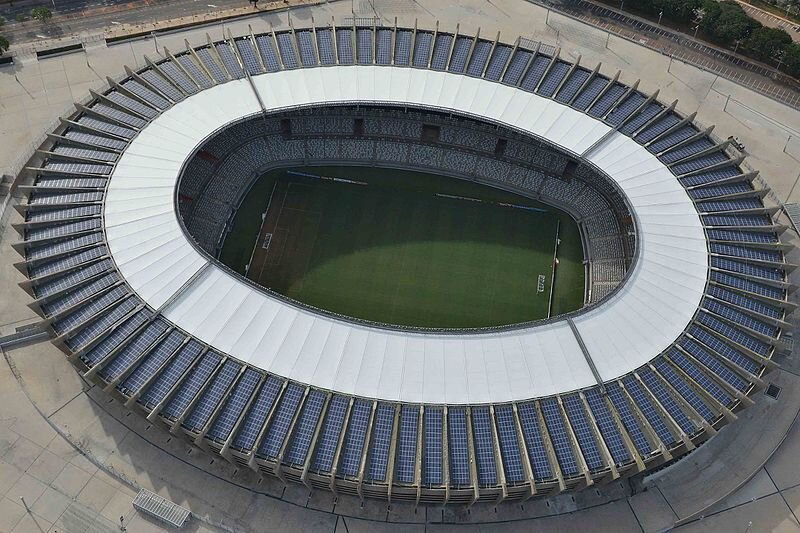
(64, 445)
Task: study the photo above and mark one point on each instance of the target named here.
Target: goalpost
(260, 229)
(553, 269)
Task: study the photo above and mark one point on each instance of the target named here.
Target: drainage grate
(773, 391)
(161, 508)
(363, 22)
(793, 210)
(788, 344)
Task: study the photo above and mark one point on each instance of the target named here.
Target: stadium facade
(131, 197)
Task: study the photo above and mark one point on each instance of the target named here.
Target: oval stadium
(406, 264)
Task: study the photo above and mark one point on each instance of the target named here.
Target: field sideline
(406, 248)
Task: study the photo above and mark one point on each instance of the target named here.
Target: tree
(725, 22)
(711, 13)
(678, 10)
(20, 17)
(645, 6)
(42, 14)
(4, 44)
(791, 59)
(768, 43)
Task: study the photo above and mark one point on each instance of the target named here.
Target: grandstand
(131, 197)
(392, 138)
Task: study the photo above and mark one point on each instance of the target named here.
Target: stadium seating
(329, 138)
(372, 447)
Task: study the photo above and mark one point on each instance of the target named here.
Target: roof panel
(393, 365)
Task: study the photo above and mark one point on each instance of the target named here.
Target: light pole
(738, 42)
(698, 15)
(660, 14)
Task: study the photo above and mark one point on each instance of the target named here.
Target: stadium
(678, 265)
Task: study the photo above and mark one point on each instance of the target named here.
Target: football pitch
(406, 248)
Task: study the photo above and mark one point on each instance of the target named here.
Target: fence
(758, 77)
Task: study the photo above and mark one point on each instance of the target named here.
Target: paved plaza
(72, 459)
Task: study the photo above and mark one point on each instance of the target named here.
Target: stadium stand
(327, 139)
(374, 447)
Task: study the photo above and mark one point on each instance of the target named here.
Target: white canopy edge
(642, 319)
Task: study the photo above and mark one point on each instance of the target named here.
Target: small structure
(161, 508)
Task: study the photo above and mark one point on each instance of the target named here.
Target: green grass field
(394, 252)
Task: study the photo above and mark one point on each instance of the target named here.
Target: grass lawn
(394, 252)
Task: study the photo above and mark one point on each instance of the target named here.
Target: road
(9, 10)
(76, 16)
(682, 47)
(773, 21)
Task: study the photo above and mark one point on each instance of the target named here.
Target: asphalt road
(9, 10)
(773, 21)
(71, 17)
(75, 16)
(680, 46)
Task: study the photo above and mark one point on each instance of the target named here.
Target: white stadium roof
(640, 320)
(360, 408)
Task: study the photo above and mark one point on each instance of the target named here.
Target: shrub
(42, 14)
(768, 43)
